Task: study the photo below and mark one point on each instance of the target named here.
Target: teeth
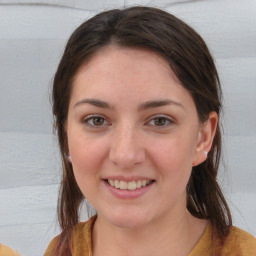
(123, 185)
(116, 184)
(131, 185)
(138, 184)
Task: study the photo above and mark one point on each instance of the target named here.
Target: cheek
(173, 159)
(86, 161)
(175, 152)
(86, 154)
(174, 164)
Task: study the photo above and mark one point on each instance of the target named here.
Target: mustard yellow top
(238, 243)
(7, 251)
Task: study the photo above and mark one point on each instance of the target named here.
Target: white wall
(32, 37)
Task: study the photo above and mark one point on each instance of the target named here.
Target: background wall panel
(32, 39)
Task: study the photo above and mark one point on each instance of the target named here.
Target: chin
(128, 220)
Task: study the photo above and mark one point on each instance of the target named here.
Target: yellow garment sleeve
(7, 251)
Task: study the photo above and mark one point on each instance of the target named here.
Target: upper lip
(127, 179)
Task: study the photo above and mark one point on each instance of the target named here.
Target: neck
(165, 236)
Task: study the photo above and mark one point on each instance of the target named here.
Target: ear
(69, 158)
(205, 138)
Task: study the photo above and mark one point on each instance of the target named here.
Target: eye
(95, 121)
(160, 121)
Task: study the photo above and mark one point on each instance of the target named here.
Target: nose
(127, 149)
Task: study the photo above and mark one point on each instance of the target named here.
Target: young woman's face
(133, 136)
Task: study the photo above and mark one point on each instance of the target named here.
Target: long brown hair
(188, 57)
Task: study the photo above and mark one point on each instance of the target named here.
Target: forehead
(129, 58)
(121, 73)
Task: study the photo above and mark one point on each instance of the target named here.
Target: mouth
(129, 185)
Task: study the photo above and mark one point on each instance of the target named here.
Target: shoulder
(81, 238)
(52, 246)
(7, 251)
(237, 243)
(80, 241)
(240, 242)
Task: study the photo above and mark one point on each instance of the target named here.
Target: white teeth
(116, 183)
(138, 185)
(123, 184)
(131, 185)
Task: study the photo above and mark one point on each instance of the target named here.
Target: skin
(127, 140)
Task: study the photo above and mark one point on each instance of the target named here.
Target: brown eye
(98, 121)
(160, 121)
(95, 121)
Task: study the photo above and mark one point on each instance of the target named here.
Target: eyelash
(165, 118)
(105, 122)
(93, 117)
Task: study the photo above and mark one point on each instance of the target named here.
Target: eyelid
(90, 117)
(85, 120)
(168, 118)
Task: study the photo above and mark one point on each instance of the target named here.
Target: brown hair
(188, 57)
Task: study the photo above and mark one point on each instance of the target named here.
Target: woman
(137, 100)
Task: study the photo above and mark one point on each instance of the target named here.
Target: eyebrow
(159, 103)
(94, 102)
(144, 106)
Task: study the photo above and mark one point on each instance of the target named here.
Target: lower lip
(128, 194)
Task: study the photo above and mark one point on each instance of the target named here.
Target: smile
(130, 185)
